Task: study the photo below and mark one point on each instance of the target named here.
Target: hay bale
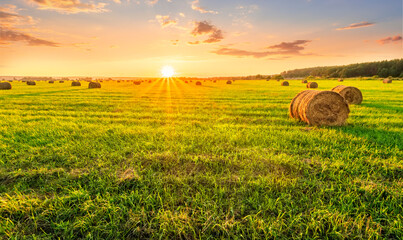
(229, 82)
(387, 80)
(198, 83)
(137, 82)
(352, 95)
(312, 85)
(31, 83)
(186, 81)
(340, 80)
(51, 81)
(285, 83)
(319, 108)
(5, 85)
(61, 81)
(304, 81)
(76, 84)
(214, 81)
(94, 85)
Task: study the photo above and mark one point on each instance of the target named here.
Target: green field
(170, 160)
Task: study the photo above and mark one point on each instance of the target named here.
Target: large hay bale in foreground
(75, 84)
(319, 108)
(229, 82)
(312, 85)
(285, 83)
(387, 80)
(94, 85)
(31, 83)
(5, 85)
(198, 83)
(352, 95)
(304, 81)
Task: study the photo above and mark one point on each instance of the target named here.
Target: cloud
(152, 2)
(9, 17)
(387, 40)
(9, 35)
(196, 7)
(357, 25)
(165, 20)
(69, 6)
(283, 49)
(205, 28)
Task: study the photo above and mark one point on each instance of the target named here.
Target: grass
(170, 160)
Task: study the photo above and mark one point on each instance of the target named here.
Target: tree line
(383, 69)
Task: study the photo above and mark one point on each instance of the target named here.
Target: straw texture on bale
(75, 84)
(31, 83)
(198, 83)
(94, 85)
(229, 82)
(312, 85)
(352, 95)
(5, 85)
(304, 81)
(319, 108)
(285, 83)
(387, 80)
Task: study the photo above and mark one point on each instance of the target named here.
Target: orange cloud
(196, 7)
(387, 40)
(9, 35)
(69, 6)
(165, 20)
(205, 28)
(284, 48)
(357, 25)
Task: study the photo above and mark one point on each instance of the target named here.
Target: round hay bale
(304, 81)
(186, 81)
(137, 83)
(31, 83)
(198, 83)
(319, 108)
(312, 85)
(94, 85)
(5, 85)
(75, 84)
(285, 83)
(387, 80)
(352, 95)
(51, 81)
(340, 80)
(61, 81)
(229, 82)
(214, 81)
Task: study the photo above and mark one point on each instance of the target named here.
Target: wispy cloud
(357, 25)
(205, 28)
(386, 40)
(284, 49)
(9, 35)
(70, 6)
(165, 20)
(196, 7)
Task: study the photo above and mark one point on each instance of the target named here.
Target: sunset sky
(196, 37)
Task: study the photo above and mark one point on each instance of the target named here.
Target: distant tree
(383, 73)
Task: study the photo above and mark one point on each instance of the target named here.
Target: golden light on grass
(167, 71)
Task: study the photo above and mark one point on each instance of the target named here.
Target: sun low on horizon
(114, 38)
(167, 71)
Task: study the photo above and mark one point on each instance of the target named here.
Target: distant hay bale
(32, 83)
(186, 82)
(75, 84)
(118, 81)
(94, 85)
(214, 81)
(352, 95)
(285, 83)
(340, 80)
(387, 80)
(5, 85)
(229, 82)
(304, 81)
(150, 81)
(198, 83)
(319, 108)
(61, 81)
(51, 81)
(312, 85)
(137, 82)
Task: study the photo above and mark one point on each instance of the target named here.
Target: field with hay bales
(171, 160)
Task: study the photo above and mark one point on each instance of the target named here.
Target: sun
(167, 71)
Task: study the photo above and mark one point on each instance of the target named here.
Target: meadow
(170, 160)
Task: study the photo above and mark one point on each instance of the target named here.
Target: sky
(137, 38)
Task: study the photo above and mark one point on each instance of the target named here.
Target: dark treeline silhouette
(383, 69)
